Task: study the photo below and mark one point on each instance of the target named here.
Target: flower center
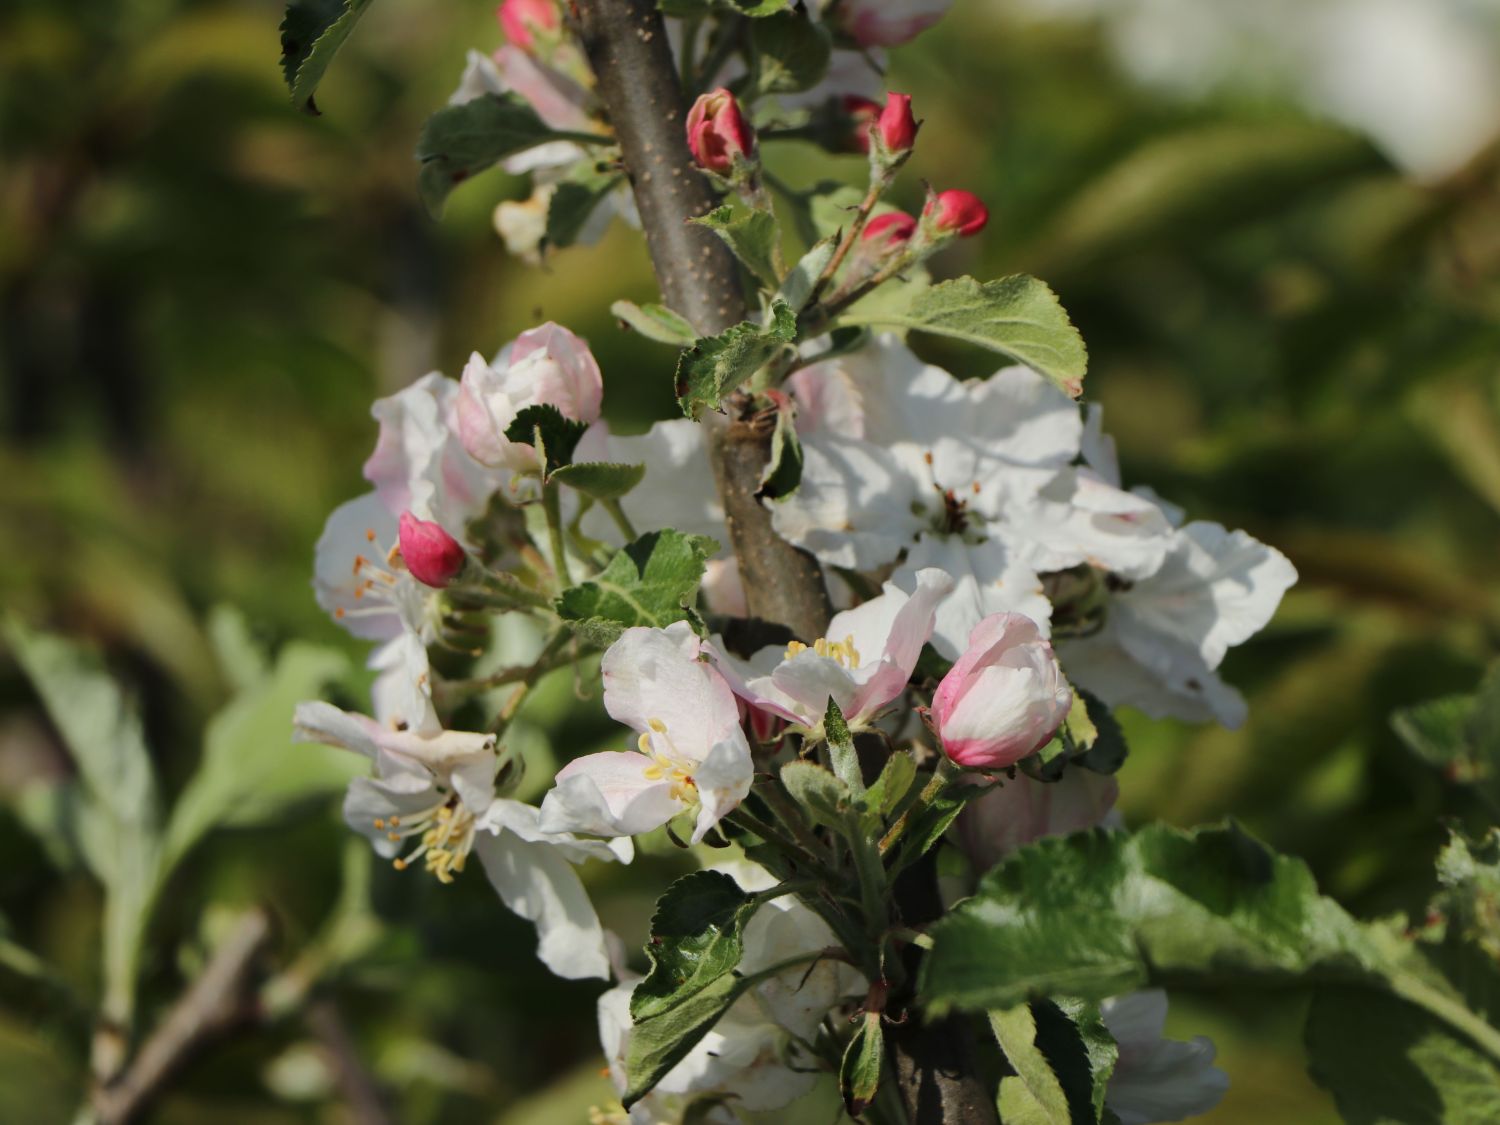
(445, 835)
(377, 580)
(668, 763)
(841, 652)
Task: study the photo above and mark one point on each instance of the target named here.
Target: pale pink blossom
(1004, 699)
(1023, 810)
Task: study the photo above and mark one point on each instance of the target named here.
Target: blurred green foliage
(201, 291)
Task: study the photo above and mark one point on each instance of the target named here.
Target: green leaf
(798, 285)
(1063, 1056)
(841, 749)
(824, 797)
(894, 782)
(1459, 735)
(859, 1072)
(649, 582)
(783, 471)
(659, 1043)
(1099, 913)
(1094, 736)
(1017, 316)
(311, 34)
(571, 205)
(1387, 1062)
(716, 365)
(932, 822)
(751, 233)
(554, 435)
(251, 771)
(603, 480)
(1468, 873)
(697, 936)
(460, 141)
(656, 322)
(791, 53)
(118, 818)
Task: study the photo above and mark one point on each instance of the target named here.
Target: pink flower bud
(863, 113)
(522, 19)
(897, 126)
(718, 133)
(433, 556)
(961, 212)
(889, 23)
(889, 231)
(1004, 699)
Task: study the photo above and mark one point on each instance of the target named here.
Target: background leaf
(311, 34)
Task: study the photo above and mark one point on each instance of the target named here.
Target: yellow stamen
(843, 652)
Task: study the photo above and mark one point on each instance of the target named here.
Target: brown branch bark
(220, 998)
(626, 43)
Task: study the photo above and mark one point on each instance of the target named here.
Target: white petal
(1157, 1079)
(853, 507)
(723, 780)
(608, 794)
(538, 883)
(653, 678)
(987, 579)
(336, 577)
(1080, 518)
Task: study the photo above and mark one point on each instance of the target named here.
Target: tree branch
(626, 42)
(215, 1002)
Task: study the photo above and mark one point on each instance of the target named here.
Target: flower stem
(552, 506)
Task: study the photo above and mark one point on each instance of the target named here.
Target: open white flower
(863, 664)
(691, 752)
(432, 801)
(1157, 1079)
(1165, 635)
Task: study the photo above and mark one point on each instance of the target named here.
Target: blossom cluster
(997, 588)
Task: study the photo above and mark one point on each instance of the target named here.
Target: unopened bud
(522, 19)
(717, 132)
(889, 231)
(958, 212)
(433, 556)
(862, 113)
(896, 125)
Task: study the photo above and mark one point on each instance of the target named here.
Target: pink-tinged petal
(805, 683)
(988, 578)
(906, 622)
(654, 676)
(551, 365)
(608, 794)
(557, 99)
(723, 781)
(483, 413)
(1004, 698)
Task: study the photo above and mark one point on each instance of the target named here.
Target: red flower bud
(717, 132)
(863, 113)
(898, 128)
(433, 556)
(890, 230)
(961, 212)
(522, 19)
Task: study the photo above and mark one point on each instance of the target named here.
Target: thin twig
(360, 1093)
(218, 999)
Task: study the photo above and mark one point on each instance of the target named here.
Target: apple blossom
(862, 112)
(717, 132)
(896, 126)
(542, 366)
(1157, 1079)
(433, 793)
(957, 212)
(863, 664)
(691, 751)
(1005, 697)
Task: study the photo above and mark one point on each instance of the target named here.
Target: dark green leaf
(930, 823)
(554, 435)
(716, 365)
(1097, 742)
(649, 582)
(792, 53)
(751, 233)
(1017, 316)
(311, 34)
(893, 784)
(1459, 735)
(798, 285)
(859, 1073)
(697, 936)
(656, 322)
(661, 1042)
(825, 798)
(602, 480)
(697, 8)
(460, 141)
(571, 205)
(1062, 1054)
